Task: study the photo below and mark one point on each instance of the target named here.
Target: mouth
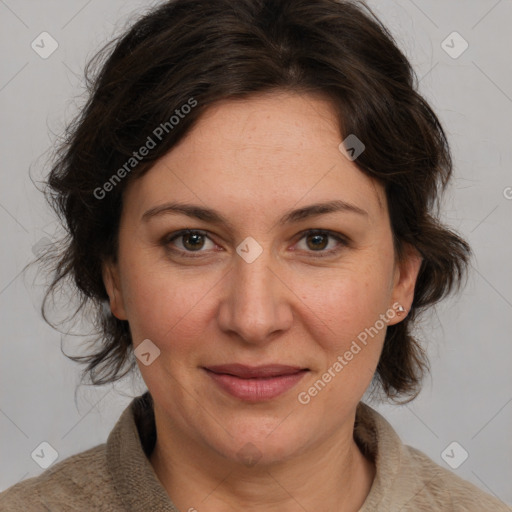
(255, 383)
(255, 372)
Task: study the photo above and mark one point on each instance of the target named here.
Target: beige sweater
(117, 476)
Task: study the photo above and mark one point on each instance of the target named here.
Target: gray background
(468, 399)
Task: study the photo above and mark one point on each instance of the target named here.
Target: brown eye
(188, 241)
(193, 241)
(316, 241)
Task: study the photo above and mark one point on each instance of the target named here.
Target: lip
(255, 383)
(254, 372)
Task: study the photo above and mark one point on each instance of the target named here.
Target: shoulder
(80, 482)
(407, 479)
(438, 488)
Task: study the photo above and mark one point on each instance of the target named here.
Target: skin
(252, 161)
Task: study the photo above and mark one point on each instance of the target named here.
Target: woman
(249, 195)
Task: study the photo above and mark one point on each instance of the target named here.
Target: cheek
(162, 302)
(348, 343)
(346, 302)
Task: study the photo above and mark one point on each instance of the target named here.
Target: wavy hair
(212, 50)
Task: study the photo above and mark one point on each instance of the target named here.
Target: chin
(251, 443)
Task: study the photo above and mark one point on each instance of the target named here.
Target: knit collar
(134, 477)
(132, 440)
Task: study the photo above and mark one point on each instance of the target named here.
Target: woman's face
(252, 287)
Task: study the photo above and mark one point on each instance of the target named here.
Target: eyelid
(168, 239)
(342, 240)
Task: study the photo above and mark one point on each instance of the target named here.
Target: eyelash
(343, 241)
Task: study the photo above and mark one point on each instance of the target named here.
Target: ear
(111, 280)
(404, 281)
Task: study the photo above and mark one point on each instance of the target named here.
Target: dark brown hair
(198, 52)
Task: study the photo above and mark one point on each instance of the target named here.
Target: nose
(256, 302)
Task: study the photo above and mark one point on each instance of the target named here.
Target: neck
(332, 476)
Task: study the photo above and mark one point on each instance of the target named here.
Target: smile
(255, 384)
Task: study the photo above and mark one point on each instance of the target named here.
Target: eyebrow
(214, 217)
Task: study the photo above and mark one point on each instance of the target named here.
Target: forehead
(266, 153)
